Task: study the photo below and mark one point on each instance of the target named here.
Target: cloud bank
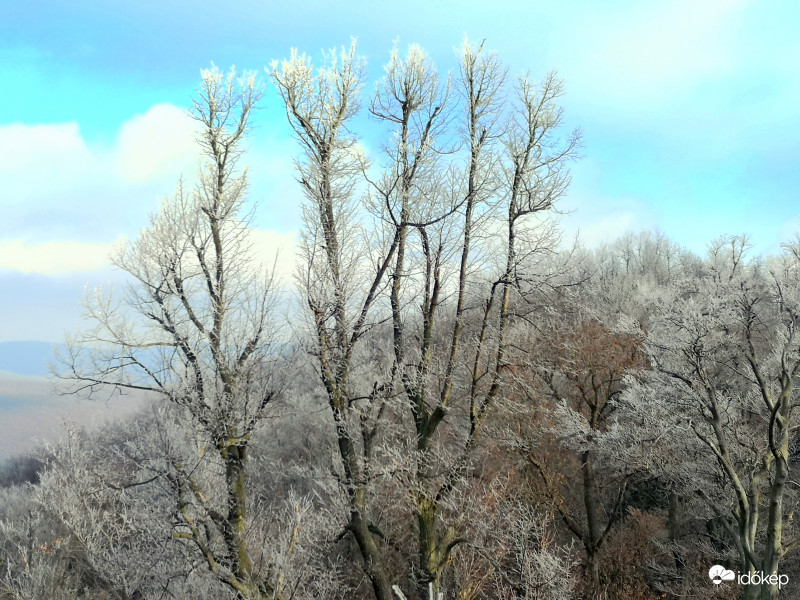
(68, 202)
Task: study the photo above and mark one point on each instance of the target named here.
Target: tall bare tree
(445, 179)
(340, 282)
(515, 167)
(195, 328)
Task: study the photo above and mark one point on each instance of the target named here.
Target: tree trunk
(673, 527)
(750, 592)
(358, 522)
(431, 552)
(373, 563)
(592, 535)
(236, 479)
(774, 545)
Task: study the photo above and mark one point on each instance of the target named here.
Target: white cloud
(21, 145)
(43, 163)
(158, 143)
(599, 220)
(787, 232)
(606, 229)
(53, 258)
(273, 248)
(60, 191)
(46, 166)
(598, 217)
(37, 160)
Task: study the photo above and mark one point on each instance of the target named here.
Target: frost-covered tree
(436, 247)
(33, 567)
(195, 328)
(716, 416)
(342, 274)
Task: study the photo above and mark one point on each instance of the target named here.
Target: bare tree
(417, 266)
(516, 167)
(341, 281)
(722, 396)
(581, 364)
(194, 327)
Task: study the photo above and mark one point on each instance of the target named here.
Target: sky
(690, 113)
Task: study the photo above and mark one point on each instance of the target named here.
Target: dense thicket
(468, 408)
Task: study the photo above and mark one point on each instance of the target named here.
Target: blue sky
(689, 112)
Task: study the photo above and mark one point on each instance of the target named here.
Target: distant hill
(26, 358)
(32, 411)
